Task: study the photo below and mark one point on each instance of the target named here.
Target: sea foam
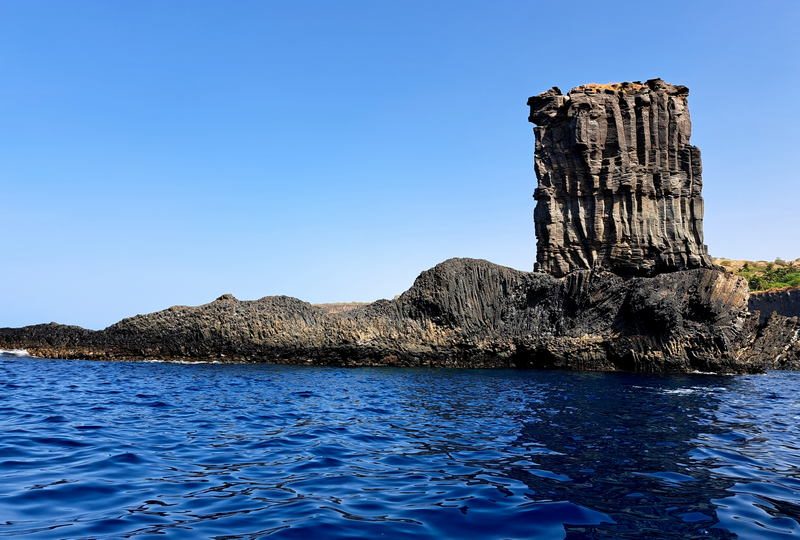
(14, 352)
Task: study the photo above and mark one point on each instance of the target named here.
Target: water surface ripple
(124, 449)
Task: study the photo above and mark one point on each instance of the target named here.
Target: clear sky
(159, 152)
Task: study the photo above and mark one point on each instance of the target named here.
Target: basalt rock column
(618, 182)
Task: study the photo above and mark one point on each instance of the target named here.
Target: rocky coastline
(464, 313)
(623, 280)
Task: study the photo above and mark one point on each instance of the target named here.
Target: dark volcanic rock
(785, 302)
(461, 313)
(46, 336)
(618, 182)
(776, 343)
(627, 282)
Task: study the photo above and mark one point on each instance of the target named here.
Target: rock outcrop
(784, 302)
(624, 280)
(774, 342)
(618, 182)
(461, 313)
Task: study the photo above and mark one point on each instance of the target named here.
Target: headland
(622, 281)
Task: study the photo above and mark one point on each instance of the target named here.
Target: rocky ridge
(461, 313)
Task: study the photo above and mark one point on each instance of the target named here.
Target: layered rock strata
(619, 184)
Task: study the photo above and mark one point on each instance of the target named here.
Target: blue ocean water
(159, 450)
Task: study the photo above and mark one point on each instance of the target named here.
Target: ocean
(94, 449)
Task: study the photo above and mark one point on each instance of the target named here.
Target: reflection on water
(90, 449)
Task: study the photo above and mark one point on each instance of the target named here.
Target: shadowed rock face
(618, 182)
(775, 342)
(784, 302)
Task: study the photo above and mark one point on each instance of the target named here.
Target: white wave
(14, 352)
(156, 361)
(697, 372)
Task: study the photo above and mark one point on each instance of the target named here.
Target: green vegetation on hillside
(765, 276)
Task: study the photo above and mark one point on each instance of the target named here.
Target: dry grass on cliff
(340, 307)
(614, 87)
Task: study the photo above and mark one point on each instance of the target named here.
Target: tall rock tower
(618, 182)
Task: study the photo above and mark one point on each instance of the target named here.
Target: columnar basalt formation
(784, 302)
(625, 287)
(461, 313)
(618, 182)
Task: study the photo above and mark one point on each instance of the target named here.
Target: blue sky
(165, 152)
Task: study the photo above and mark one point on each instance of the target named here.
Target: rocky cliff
(618, 181)
(775, 342)
(784, 302)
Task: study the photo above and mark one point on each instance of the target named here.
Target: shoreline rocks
(461, 313)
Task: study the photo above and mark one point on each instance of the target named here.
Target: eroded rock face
(461, 313)
(775, 343)
(619, 185)
(784, 302)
